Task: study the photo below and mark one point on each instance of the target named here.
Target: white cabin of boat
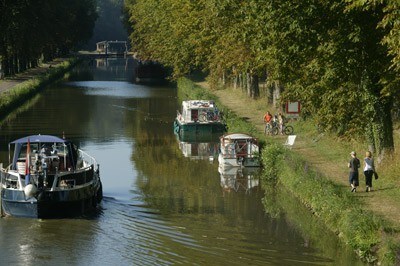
(239, 149)
(199, 111)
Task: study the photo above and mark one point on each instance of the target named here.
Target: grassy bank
(16, 96)
(315, 172)
(368, 234)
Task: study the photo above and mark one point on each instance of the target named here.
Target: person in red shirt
(268, 121)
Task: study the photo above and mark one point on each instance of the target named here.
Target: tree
(32, 29)
(331, 58)
(215, 36)
(331, 55)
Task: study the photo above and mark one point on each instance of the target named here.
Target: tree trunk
(370, 138)
(248, 84)
(240, 81)
(382, 128)
(253, 89)
(235, 81)
(4, 66)
(243, 82)
(10, 66)
(15, 64)
(276, 94)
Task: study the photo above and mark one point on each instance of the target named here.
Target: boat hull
(198, 127)
(51, 204)
(55, 180)
(225, 161)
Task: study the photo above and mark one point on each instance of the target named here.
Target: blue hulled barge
(49, 177)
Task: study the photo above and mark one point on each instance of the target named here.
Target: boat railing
(11, 178)
(75, 177)
(89, 159)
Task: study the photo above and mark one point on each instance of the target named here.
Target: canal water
(165, 200)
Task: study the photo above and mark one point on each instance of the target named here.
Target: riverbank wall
(375, 240)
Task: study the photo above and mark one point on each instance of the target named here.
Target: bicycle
(273, 129)
(288, 130)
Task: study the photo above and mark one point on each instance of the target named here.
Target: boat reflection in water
(198, 146)
(199, 151)
(239, 178)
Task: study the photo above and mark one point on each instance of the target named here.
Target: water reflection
(198, 148)
(239, 178)
(160, 207)
(30, 241)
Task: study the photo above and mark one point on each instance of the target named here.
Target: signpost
(293, 109)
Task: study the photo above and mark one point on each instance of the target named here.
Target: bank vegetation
(324, 190)
(339, 58)
(11, 99)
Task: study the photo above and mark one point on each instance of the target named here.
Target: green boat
(199, 116)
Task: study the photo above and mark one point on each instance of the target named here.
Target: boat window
(195, 114)
(33, 147)
(60, 149)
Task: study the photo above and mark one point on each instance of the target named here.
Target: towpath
(380, 201)
(10, 82)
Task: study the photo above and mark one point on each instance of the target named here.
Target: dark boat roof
(39, 138)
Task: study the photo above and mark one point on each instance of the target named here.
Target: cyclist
(268, 121)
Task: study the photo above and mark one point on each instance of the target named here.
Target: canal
(165, 202)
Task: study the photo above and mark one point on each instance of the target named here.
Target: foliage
(333, 65)
(31, 30)
(338, 58)
(272, 156)
(330, 202)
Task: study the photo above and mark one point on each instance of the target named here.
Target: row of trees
(341, 59)
(35, 29)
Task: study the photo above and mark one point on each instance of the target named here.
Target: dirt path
(378, 201)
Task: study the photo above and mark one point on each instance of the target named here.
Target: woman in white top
(369, 169)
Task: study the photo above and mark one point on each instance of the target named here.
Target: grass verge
(369, 235)
(375, 239)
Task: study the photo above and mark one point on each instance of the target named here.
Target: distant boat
(49, 177)
(238, 149)
(199, 116)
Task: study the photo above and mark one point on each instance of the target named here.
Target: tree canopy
(340, 58)
(31, 30)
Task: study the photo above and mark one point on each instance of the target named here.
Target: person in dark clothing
(354, 164)
(369, 169)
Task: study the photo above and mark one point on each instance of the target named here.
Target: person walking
(369, 170)
(354, 164)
